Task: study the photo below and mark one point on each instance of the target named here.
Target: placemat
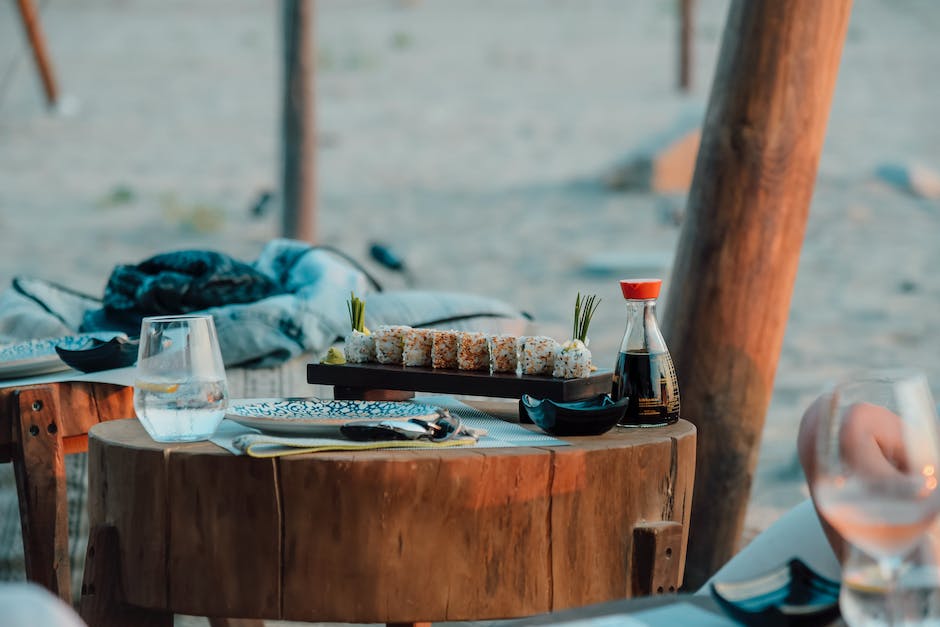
(499, 434)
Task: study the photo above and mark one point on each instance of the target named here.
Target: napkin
(263, 445)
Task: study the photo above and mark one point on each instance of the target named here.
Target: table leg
(657, 558)
(39, 467)
(102, 602)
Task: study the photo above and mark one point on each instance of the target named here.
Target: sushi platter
(373, 376)
(402, 358)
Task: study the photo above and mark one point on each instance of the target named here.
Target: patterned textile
(181, 282)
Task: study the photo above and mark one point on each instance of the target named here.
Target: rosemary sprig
(357, 312)
(583, 312)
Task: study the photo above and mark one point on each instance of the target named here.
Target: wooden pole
(738, 253)
(37, 43)
(686, 19)
(298, 176)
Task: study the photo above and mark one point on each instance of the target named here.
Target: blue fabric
(308, 316)
(35, 309)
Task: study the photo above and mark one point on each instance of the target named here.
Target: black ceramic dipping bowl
(117, 352)
(589, 416)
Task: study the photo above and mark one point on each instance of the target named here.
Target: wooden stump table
(382, 536)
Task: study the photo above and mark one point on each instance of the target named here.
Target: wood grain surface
(736, 262)
(385, 536)
(39, 467)
(131, 495)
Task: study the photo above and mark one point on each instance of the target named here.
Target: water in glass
(181, 392)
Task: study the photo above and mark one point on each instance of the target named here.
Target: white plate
(39, 356)
(298, 416)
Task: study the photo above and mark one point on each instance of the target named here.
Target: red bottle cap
(640, 289)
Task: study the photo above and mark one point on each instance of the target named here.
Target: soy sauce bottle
(644, 371)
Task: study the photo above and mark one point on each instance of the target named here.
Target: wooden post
(739, 249)
(37, 43)
(686, 19)
(39, 467)
(298, 176)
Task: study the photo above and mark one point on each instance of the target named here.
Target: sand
(471, 136)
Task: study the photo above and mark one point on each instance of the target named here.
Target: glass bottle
(644, 371)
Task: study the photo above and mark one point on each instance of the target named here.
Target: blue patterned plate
(39, 356)
(300, 416)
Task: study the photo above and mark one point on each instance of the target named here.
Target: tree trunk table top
(393, 536)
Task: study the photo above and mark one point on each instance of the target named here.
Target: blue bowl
(589, 416)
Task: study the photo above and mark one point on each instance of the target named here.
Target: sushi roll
(572, 360)
(503, 356)
(359, 348)
(416, 347)
(472, 352)
(537, 354)
(389, 343)
(360, 345)
(444, 349)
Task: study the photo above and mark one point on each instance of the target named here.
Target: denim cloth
(309, 314)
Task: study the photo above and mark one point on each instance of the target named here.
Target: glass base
(181, 426)
(181, 437)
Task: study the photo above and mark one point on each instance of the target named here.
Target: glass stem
(890, 571)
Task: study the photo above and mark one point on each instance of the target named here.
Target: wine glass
(180, 394)
(915, 599)
(878, 455)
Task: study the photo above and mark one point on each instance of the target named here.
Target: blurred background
(486, 142)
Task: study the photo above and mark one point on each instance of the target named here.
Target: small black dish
(589, 416)
(118, 352)
(789, 596)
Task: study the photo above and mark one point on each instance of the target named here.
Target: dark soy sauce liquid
(649, 379)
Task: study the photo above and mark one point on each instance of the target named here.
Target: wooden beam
(686, 29)
(37, 43)
(298, 174)
(39, 467)
(737, 258)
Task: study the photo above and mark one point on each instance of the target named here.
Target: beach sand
(471, 136)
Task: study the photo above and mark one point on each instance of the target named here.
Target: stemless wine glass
(878, 453)
(180, 394)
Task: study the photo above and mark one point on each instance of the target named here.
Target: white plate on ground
(39, 356)
(299, 416)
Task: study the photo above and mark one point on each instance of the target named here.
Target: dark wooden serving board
(363, 377)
